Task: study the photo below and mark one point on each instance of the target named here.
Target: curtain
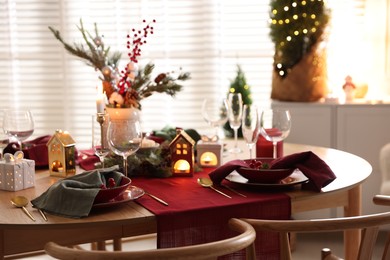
(207, 38)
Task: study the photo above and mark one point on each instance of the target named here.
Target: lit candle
(100, 99)
(182, 166)
(207, 159)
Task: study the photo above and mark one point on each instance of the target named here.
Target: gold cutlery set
(207, 183)
(22, 202)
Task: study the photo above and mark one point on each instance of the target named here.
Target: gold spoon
(206, 182)
(21, 202)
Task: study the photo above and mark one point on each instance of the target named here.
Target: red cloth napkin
(198, 215)
(221, 172)
(34, 150)
(86, 159)
(313, 167)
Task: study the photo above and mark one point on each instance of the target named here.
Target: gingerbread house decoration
(61, 150)
(182, 154)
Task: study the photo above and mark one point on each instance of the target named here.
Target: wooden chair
(244, 240)
(368, 223)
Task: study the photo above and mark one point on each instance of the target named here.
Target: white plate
(131, 193)
(295, 178)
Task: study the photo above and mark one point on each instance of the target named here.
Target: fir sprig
(124, 89)
(94, 53)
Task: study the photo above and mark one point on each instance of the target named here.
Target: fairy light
(294, 24)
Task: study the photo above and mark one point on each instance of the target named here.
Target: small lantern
(209, 153)
(61, 150)
(16, 173)
(182, 154)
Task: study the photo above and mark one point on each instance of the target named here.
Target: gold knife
(42, 214)
(236, 192)
(156, 198)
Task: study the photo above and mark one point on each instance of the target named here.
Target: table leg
(1, 244)
(117, 244)
(352, 237)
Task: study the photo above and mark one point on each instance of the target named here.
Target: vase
(120, 114)
(306, 81)
(123, 113)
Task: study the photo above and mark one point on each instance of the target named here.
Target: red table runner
(197, 215)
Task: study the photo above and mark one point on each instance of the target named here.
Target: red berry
(111, 183)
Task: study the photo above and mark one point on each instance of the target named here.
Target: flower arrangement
(125, 88)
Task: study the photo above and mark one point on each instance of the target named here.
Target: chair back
(244, 240)
(369, 224)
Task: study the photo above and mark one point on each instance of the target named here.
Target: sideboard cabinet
(358, 128)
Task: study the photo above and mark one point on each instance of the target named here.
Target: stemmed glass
(4, 140)
(215, 113)
(235, 115)
(18, 124)
(124, 138)
(275, 126)
(250, 126)
(99, 139)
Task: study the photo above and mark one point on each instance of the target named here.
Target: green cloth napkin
(74, 196)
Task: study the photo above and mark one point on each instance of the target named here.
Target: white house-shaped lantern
(209, 153)
(61, 150)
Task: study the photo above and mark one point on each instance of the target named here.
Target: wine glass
(215, 113)
(250, 126)
(275, 126)
(18, 124)
(4, 140)
(124, 138)
(99, 139)
(234, 116)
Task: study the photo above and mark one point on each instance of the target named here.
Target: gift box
(16, 173)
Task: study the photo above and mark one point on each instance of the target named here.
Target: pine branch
(95, 56)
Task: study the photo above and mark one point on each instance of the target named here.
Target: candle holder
(99, 136)
(182, 154)
(101, 118)
(209, 153)
(16, 173)
(61, 152)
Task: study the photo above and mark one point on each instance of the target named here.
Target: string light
(295, 28)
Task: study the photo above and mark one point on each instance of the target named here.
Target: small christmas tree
(295, 28)
(299, 30)
(239, 85)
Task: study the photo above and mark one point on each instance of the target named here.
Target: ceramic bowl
(108, 194)
(264, 175)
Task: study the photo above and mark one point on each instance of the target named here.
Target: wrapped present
(16, 173)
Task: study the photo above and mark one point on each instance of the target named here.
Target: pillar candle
(100, 105)
(265, 148)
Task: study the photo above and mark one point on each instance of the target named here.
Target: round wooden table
(19, 234)
(345, 191)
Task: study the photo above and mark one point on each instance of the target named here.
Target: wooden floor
(308, 246)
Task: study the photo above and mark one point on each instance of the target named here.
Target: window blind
(206, 38)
